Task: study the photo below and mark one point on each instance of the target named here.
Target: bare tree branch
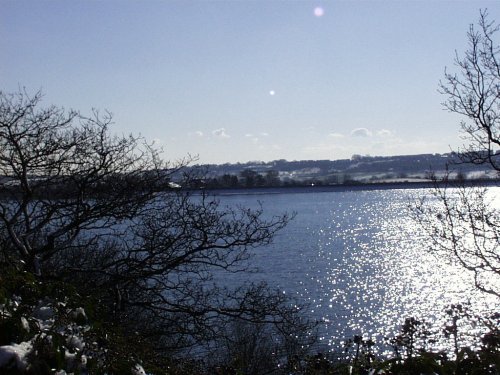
(81, 206)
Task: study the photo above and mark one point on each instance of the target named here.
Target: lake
(358, 260)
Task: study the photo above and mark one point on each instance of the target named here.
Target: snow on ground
(138, 370)
(15, 356)
(46, 323)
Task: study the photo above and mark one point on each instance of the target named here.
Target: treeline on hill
(249, 178)
(357, 170)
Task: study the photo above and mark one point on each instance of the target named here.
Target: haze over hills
(362, 169)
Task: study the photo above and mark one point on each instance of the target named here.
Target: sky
(237, 81)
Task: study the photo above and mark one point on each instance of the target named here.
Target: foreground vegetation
(90, 228)
(50, 327)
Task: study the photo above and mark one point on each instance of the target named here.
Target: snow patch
(15, 356)
(25, 324)
(138, 370)
(75, 342)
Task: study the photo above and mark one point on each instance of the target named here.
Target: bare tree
(98, 211)
(63, 173)
(463, 223)
(463, 226)
(474, 92)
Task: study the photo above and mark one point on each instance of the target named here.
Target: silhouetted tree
(272, 178)
(474, 90)
(464, 226)
(97, 211)
(229, 180)
(250, 177)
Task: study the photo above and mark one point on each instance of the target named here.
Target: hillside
(357, 169)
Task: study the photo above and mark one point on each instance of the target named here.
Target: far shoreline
(312, 188)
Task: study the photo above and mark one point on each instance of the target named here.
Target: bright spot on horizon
(272, 92)
(319, 12)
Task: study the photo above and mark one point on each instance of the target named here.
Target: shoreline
(343, 187)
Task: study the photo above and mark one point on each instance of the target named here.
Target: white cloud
(221, 133)
(335, 135)
(384, 133)
(252, 137)
(264, 134)
(361, 132)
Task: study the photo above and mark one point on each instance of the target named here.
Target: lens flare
(319, 12)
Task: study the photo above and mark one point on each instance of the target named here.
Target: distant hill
(357, 169)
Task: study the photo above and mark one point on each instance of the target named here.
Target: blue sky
(235, 81)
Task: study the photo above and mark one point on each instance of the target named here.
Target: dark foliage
(97, 214)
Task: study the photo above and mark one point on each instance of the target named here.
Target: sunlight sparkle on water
(361, 264)
(382, 272)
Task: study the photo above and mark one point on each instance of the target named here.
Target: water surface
(359, 261)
